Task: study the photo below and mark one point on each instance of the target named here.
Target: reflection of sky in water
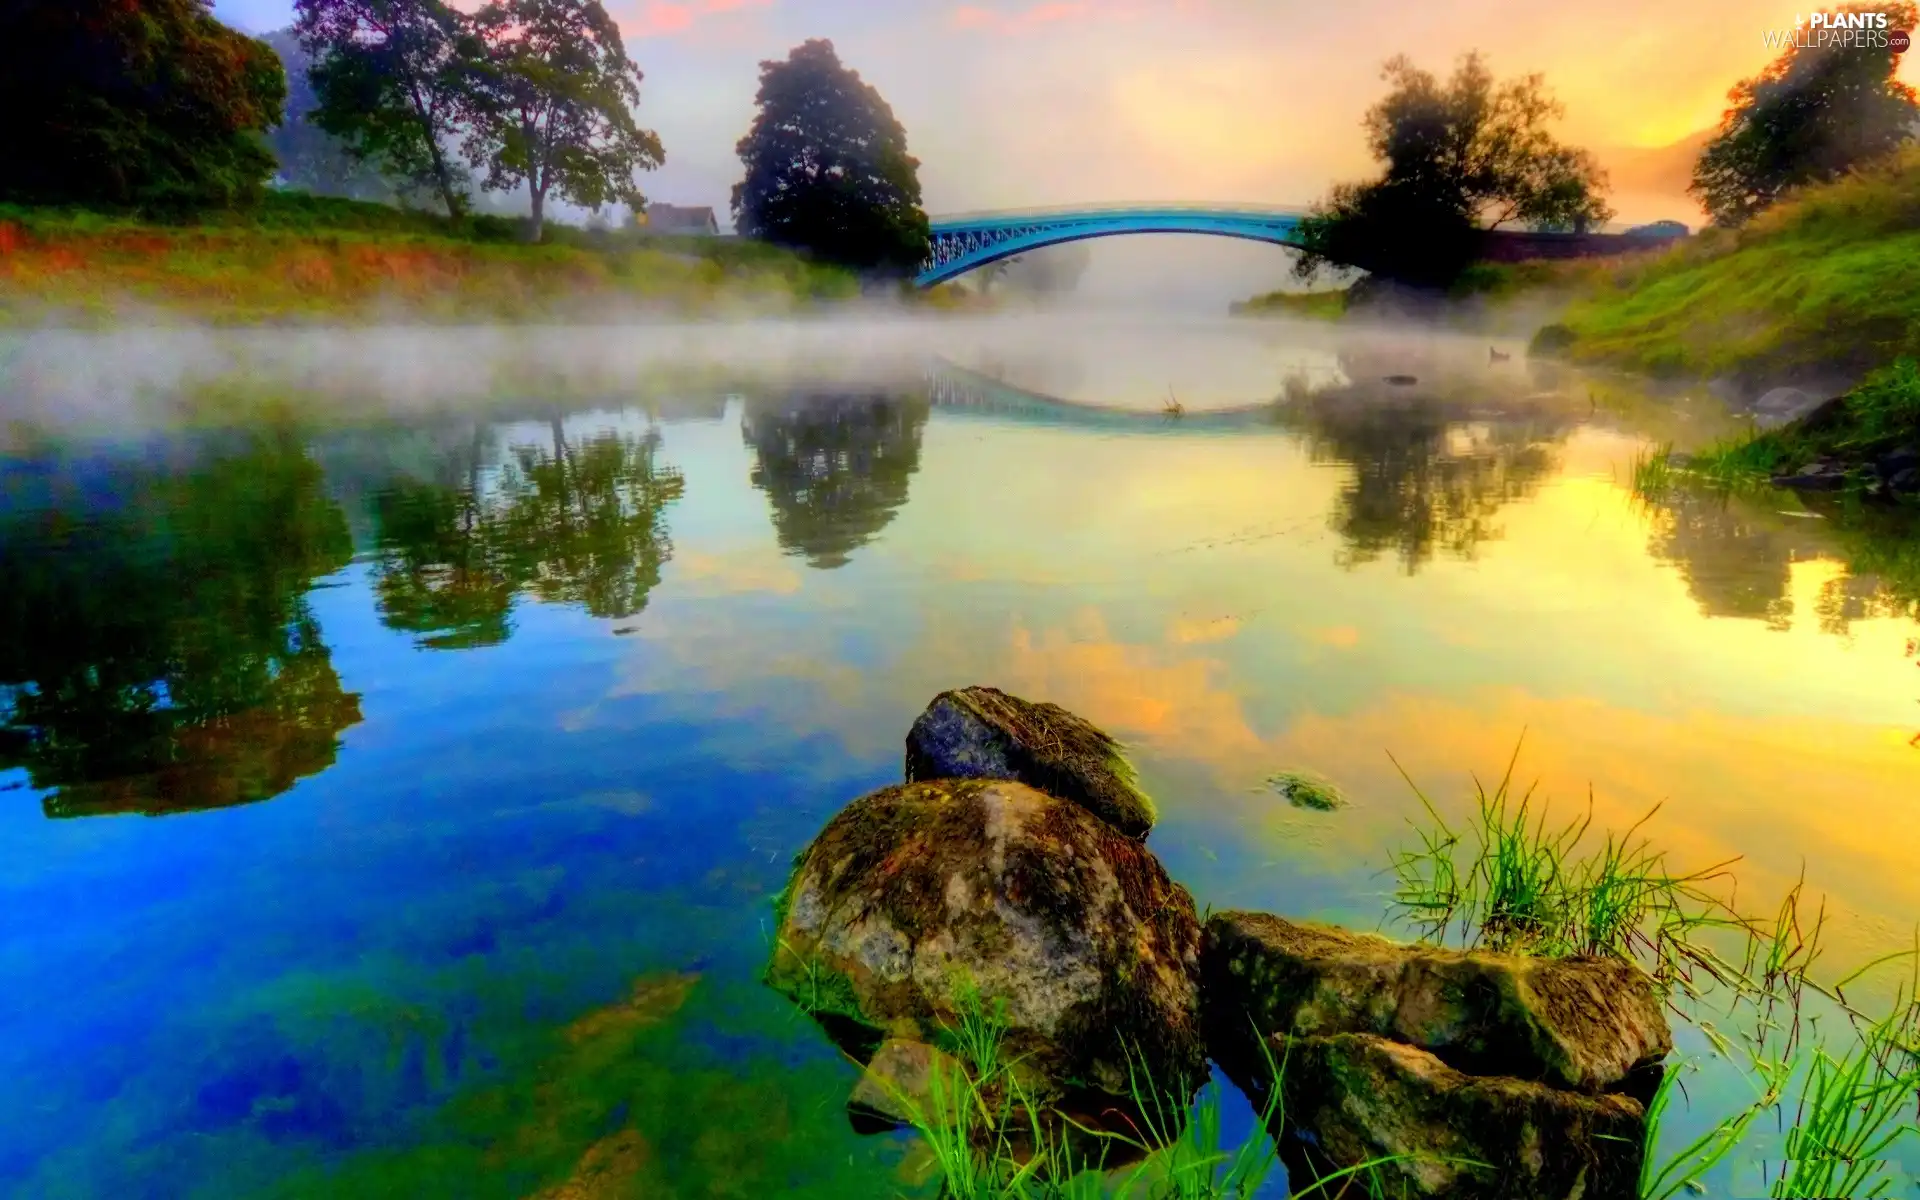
(508, 836)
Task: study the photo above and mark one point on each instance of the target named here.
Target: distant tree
(392, 79)
(1460, 157)
(827, 168)
(312, 159)
(149, 103)
(1053, 271)
(554, 106)
(1816, 112)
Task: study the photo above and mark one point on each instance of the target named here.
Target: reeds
(993, 1138)
(1838, 1105)
(1516, 882)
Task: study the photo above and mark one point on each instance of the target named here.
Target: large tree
(392, 79)
(827, 168)
(1819, 109)
(312, 159)
(149, 103)
(1459, 157)
(555, 106)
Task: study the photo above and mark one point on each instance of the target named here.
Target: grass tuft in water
(1516, 881)
(993, 1139)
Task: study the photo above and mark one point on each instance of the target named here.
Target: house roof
(675, 216)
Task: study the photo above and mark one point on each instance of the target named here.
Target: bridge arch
(964, 243)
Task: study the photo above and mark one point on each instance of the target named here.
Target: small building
(1659, 229)
(679, 219)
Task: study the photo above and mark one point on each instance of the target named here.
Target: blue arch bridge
(966, 241)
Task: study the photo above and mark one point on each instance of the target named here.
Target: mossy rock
(919, 893)
(1354, 1098)
(1304, 790)
(1584, 1024)
(1551, 340)
(984, 733)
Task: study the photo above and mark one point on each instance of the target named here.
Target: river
(409, 730)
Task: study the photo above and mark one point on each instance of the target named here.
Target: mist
(1105, 353)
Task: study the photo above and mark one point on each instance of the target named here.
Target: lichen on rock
(1582, 1023)
(1437, 1132)
(919, 891)
(984, 733)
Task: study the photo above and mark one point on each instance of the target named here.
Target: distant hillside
(1666, 168)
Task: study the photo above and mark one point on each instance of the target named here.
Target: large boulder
(920, 894)
(983, 733)
(1445, 1133)
(1586, 1024)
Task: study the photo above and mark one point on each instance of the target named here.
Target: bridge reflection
(957, 389)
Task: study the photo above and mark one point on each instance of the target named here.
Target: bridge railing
(1096, 210)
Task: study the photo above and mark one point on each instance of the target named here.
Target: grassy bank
(1854, 433)
(302, 257)
(1307, 306)
(1821, 284)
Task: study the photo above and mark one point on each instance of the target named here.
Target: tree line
(156, 106)
(1468, 154)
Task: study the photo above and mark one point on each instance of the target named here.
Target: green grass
(1517, 881)
(1306, 306)
(298, 257)
(992, 1138)
(1842, 1100)
(1822, 280)
(1876, 416)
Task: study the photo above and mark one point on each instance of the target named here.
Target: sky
(1018, 103)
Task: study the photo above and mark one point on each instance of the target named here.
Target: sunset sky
(1010, 103)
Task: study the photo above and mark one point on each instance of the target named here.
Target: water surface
(407, 731)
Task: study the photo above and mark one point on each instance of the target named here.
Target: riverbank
(1817, 291)
(304, 258)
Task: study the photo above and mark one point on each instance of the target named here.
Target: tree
(312, 159)
(136, 103)
(555, 106)
(827, 168)
(392, 79)
(1051, 271)
(1461, 157)
(1817, 111)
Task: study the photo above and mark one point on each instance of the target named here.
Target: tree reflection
(1430, 475)
(567, 523)
(441, 569)
(835, 466)
(157, 653)
(1737, 553)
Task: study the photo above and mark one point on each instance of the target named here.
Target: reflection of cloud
(1141, 694)
(1188, 631)
(1775, 791)
(734, 572)
(1340, 637)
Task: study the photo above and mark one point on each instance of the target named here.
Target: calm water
(396, 780)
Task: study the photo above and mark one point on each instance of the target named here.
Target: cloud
(969, 16)
(665, 18)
